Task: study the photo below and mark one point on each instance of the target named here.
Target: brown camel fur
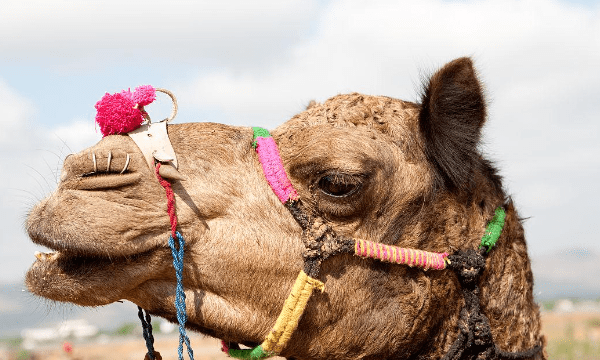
(372, 167)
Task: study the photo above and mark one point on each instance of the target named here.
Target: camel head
(367, 167)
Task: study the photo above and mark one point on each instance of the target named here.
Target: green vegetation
(12, 342)
(22, 355)
(569, 349)
(155, 327)
(15, 352)
(125, 329)
(548, 305)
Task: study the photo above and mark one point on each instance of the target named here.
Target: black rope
(475, 340)
(147, 332)
(300, 216)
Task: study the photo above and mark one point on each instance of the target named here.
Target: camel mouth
(60, 262)
(73, 264)
(87, 280)
(53, 274)
(76, 263)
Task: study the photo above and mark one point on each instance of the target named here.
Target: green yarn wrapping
(493, 230)
(259, 132)
(249, 354)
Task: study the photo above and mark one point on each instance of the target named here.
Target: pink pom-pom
(144, 95)
(121, 113)
(117, 115)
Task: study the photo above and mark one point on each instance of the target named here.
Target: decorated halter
(124, 113)
(321, 242)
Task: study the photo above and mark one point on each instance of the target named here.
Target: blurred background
(260, 62)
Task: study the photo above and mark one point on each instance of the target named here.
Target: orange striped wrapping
(398, 255)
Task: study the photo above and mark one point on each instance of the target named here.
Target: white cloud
(231, 32)
(75, 136)
(532, 53)
(538, 59)
(15, 115)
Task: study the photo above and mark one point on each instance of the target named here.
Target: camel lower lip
(86, 280)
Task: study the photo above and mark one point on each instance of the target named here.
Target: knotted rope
(147, 332)
(177, 250)
(320, 241)
(123, 113)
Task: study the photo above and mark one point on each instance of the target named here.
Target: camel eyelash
(339, 185)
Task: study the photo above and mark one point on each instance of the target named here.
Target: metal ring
(95, 163)
(126, 164)
(109, 159)
(174, 112)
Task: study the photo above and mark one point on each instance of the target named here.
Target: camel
(364, 167)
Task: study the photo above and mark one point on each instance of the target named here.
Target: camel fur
(372, 167)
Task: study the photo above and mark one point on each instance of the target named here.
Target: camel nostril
(64, 173)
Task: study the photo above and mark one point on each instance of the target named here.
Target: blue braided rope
(180, 294)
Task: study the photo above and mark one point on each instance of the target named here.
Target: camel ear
(451, 117)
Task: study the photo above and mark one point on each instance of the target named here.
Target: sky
(261, 62)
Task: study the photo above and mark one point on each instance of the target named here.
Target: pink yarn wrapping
(268, 155)
(398, 255)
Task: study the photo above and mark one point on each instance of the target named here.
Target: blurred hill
(570, 273)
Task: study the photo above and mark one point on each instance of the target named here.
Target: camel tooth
(42, 256)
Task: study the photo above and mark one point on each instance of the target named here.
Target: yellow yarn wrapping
(293, 308)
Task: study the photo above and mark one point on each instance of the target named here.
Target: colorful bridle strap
(268, 155)
(397, 255)
(286, 323)
(295, 304)
(493, 229)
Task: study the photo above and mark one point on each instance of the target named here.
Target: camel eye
(339, 185)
